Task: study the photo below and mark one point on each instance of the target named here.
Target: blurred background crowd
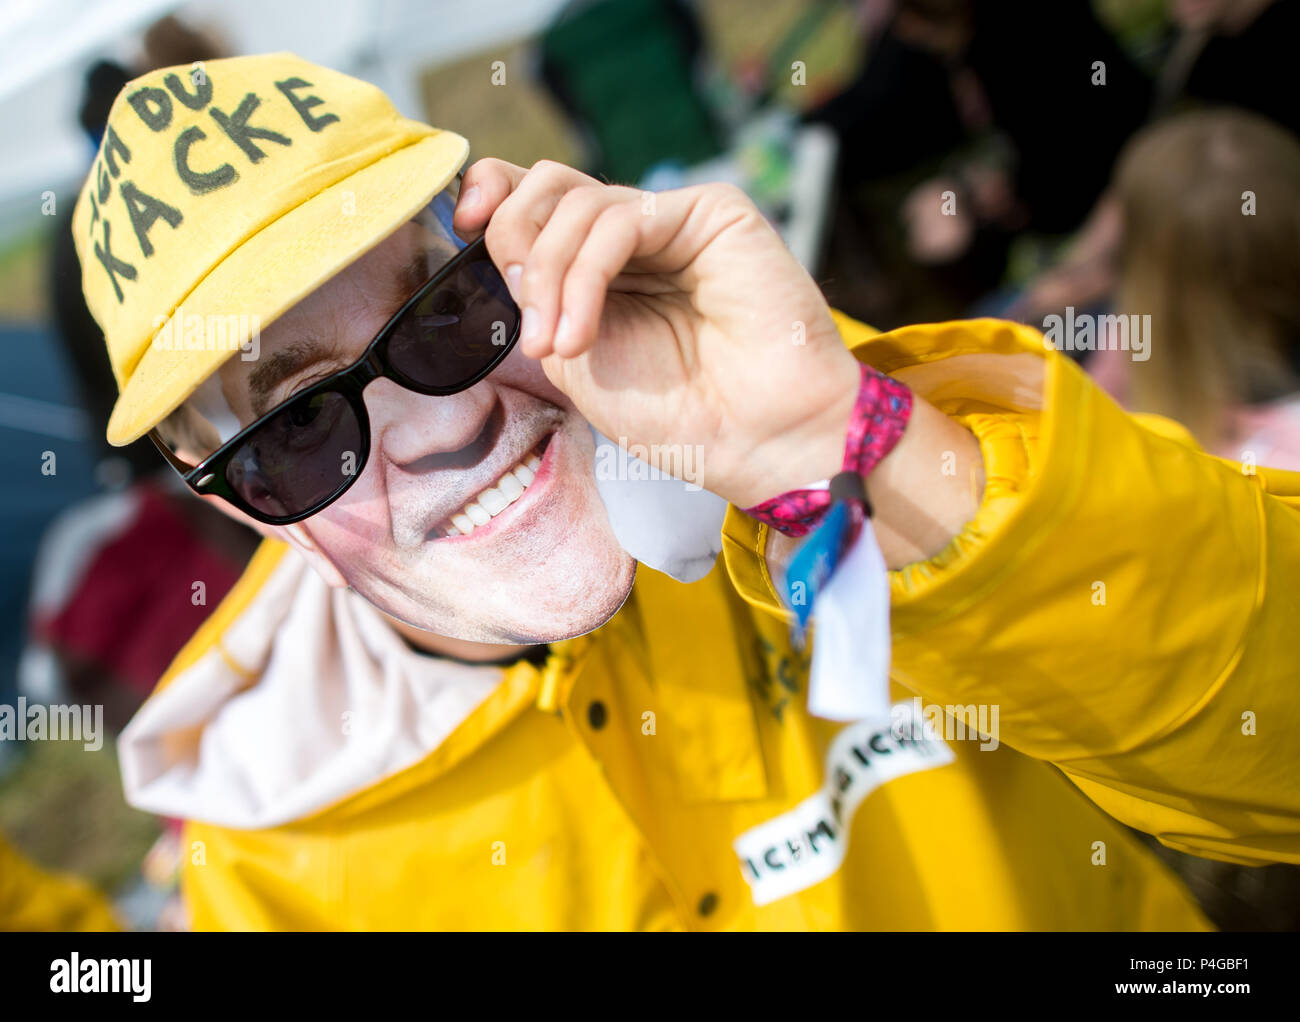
(924, 159)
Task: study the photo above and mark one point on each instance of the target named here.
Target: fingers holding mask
(484, 186)
(544, 281)
(517, 217)
(509, 205)
(535, 222)
(601, 255)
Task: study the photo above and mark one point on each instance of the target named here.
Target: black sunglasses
(302, 455)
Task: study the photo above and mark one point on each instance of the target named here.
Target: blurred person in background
(1210, 207)
(1235, 53)
(1063, 123)
(954, 92)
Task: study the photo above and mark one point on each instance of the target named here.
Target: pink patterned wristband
(879, 417)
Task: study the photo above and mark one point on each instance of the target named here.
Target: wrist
(808, 452)
(872, 428)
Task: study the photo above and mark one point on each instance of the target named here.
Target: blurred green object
(624, 70)
(1142, 27)
(1132, 20)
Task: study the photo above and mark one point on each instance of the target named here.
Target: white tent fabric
(45, 46)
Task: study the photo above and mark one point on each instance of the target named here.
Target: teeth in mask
(495, 499)
(511, 488)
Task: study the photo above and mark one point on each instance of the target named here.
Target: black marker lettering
(161, 115)
(823, 829)
(113, 265)
(202, 91)
(199, 181)
(114, 144)
(304, 105)
(241, 133)
(144, 211)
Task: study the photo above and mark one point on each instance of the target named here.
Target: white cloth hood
(307, 697)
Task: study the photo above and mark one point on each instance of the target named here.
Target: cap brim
(279, 266)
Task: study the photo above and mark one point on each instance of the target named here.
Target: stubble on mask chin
(540, 588)
(549, 620)
(574, 618)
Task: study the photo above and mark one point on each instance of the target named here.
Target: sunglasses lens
(300, 457)
(307, 452)
(458, 331)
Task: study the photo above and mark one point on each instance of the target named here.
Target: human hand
(671, 319)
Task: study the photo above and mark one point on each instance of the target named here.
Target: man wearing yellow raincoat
(442, 696)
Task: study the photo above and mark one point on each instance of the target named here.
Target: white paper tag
(849, 678)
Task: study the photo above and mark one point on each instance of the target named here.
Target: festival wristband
(876, 424)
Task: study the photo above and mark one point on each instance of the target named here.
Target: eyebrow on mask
(295, 357)
(415, 274)
(291, 359)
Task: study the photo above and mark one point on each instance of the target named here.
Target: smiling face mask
(493, 514)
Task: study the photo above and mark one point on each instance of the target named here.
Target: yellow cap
(226, 193)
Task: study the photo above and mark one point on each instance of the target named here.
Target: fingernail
(562, 328)
(528, 329)
(513, 272)
(470, 198)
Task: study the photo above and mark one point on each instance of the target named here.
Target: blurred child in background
(1210, 204)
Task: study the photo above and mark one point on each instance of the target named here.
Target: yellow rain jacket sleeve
(1131, 604)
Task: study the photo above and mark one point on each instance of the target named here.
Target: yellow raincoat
(1128, 604)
